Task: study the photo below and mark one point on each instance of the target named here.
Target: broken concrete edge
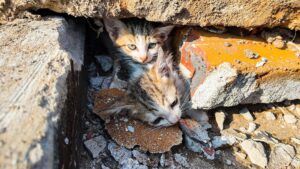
(46, 92)
(213, 13)
(233, 87)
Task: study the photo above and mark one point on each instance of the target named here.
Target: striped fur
(161, 93)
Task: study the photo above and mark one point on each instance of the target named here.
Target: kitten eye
(131, 46)
(157, 120)
(174, 103)
(151, 45)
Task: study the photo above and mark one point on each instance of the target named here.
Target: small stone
(296, 162)
(250, 54)
(220, 141)
(181, 160)
(265, 137)
(295, 140)
(140, 157)
(36, 154)
(227, 44)
(162, 160)
(278, 43)
(195, 129)
(104, 167)
(240, 155)
(270, 116)
(233, 133)
(220, 118)
(119, 153)
(281, 156)
(251, 127)
(96, 145)
(228, 162)
(66, 141)
(105, 62)
(290, 119)
(246, 114)
(243, 130)
(130, 129)
(262, 62)
(132, 164)
(256, 152)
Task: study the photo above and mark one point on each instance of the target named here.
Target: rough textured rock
(204, 13)
(235, 77)
(281, 156)
(256, 152)
(34, 63)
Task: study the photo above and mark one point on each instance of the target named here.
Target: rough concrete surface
(242, 13)
(223, 75)
(34, 63)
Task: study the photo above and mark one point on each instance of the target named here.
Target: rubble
(255, 152)
(246, 114)
(296, 162)
(106, 62)
(181, 160)
(289, 118)
(263, 136)
(270, 115)
(119, 153)
(262, 62)
(251, 127)
(250, 54)
(36, 59)
(132, 164)
(140, 157)
(296, 140)
(195, 130)
(220, 141)
(96, 145)
(220, 118)
(232, 133)
(281, 156)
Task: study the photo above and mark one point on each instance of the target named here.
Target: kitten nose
(144, 59)
(174, 119)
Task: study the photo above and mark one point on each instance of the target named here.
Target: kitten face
(160, 91)
(139, 40)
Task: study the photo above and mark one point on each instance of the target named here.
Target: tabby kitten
(136, 40)
(161, 93)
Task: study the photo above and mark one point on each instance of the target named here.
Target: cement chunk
(34, 65)
(256, 152)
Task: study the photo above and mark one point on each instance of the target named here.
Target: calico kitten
(136, 40)
(161, 93)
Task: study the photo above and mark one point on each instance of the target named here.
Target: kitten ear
(162, 33)
(114, 27)
(162, 66)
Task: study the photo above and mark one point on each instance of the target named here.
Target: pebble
(250, 54)
(220, 141)
(105, 62)
(132, 164)
(281, 156)
(251, 127)
(119, 153)
(195, 129)
(228, 162)
(130, 129)
(220, 118)
(181, 160)
(255, 152)
(296, 162)
(104, 167)
(290, 119)
(263, 136)
(233, 133)
(227, 44)
(270, 116)
(66, 141)
(262, 62)
(240, 155)
(246, 114)
(140, 157)
(96, 145)
(295, 140)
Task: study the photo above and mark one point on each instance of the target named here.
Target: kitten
(161, 93)
(136, 40)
